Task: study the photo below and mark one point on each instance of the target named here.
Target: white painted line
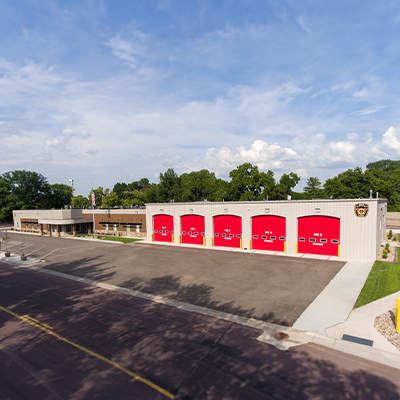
(41, 258)
(15, 244)
(34, 251)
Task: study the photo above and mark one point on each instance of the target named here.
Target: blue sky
(114, 91)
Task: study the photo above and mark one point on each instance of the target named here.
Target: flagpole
(93, 212)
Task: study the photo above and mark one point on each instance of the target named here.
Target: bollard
(284, 246)
(204, 240)
(338, 251)
(151, 237)
(249, 244)
(241, 247)
(172, 241)
(295, 248)
(397, 317)
(211, 242)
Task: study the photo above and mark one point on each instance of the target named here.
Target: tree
(111, 199)
(119, 189)
(29, 190)
(248, 183)
(60, 195)
(313, 189)
(285, 186)
(198, 186)
(99, 194)
(169, 186)
(350, 184)
(81, 202)
(6, 203)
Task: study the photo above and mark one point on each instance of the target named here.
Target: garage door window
(312, 240)
(302, 239)
(323, 241)
(273, 238)
(282, 238)
(334, 241)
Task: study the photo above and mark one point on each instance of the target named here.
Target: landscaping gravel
(385, 324)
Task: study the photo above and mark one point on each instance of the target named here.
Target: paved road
(66, 340)
(270, 288)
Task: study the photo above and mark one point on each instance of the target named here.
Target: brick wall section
(120, 220)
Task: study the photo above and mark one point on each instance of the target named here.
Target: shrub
(390, 234)
(385, 255)
(387, 247)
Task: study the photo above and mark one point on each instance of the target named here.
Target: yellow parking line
(48, 330)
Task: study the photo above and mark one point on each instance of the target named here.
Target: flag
(93, 198)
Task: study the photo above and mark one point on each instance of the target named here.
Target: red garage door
(192, 229)
(268, 232)
(163, 226)
(227, 230)
(319, 235)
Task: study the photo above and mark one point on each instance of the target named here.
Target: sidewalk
(331, 315)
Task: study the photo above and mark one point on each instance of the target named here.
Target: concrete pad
(369, 353)
(361, 322)
(334, 304)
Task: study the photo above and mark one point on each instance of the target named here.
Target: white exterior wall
(45, 214)
(360, 237)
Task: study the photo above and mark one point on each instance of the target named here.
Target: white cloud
(302, 23)
(342, 151)
(353, 136)
(368, 110)
(123, 50)
(391, 141)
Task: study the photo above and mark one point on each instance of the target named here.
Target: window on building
(106, 227)
(115, 227)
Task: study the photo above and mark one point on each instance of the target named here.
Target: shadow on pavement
(192, 355)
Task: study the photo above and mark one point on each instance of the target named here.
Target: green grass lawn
(384, 279)
(119, 239)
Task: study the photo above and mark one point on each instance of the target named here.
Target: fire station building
(348, 229)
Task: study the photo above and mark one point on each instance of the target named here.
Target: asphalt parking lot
(270, 288)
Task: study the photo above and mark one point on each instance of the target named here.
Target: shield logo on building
(361, 210)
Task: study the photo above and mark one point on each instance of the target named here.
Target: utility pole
(72, 185)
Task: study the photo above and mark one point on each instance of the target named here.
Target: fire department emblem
(361, 210)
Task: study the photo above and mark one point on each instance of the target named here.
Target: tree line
(31, 190)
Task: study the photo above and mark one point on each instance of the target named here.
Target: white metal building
(348, 229)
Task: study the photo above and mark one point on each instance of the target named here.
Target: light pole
(72, 185)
